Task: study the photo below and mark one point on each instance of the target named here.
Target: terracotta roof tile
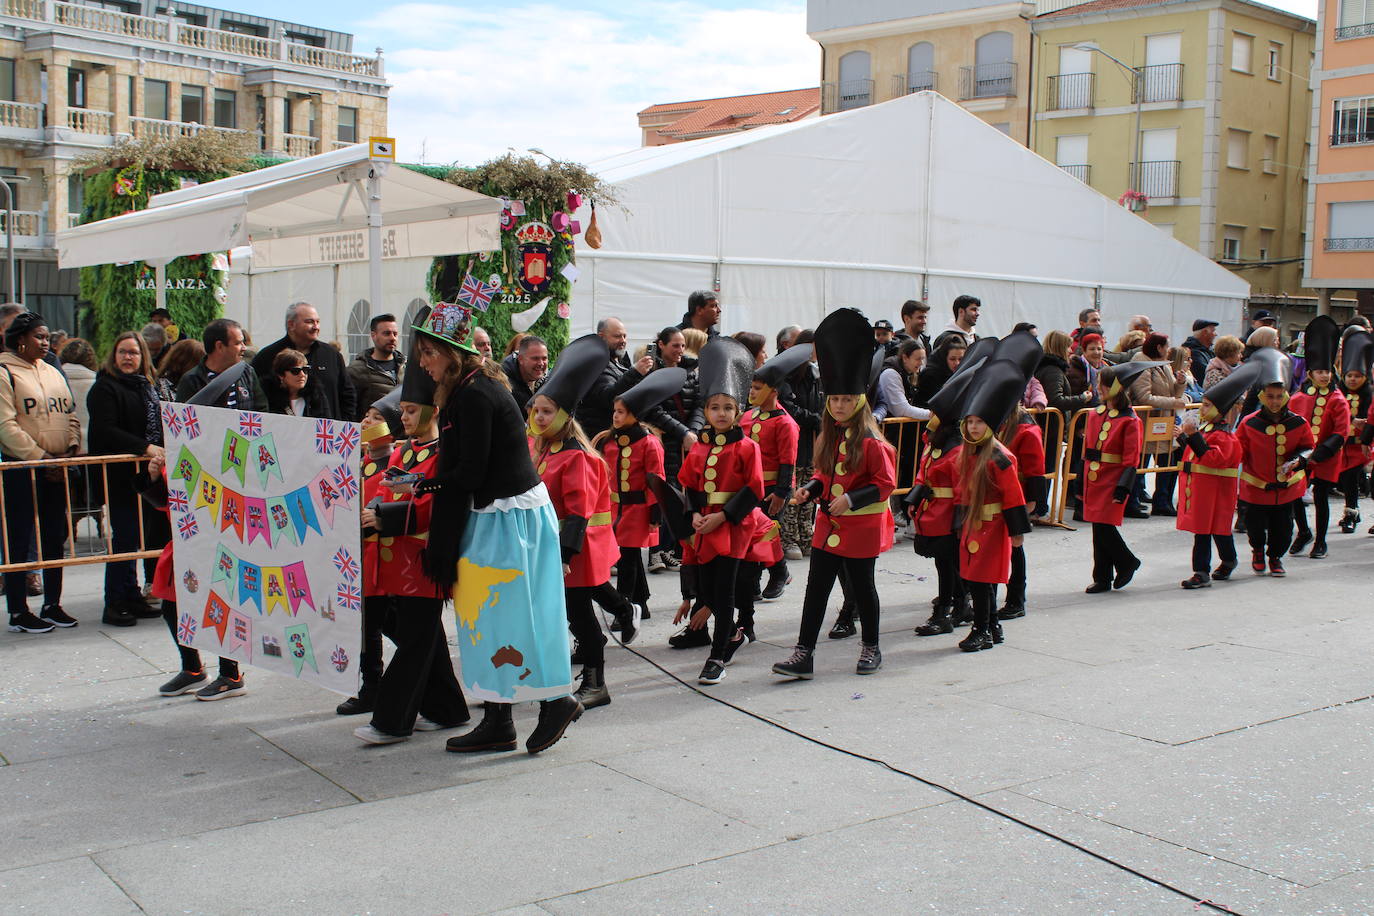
(1095, 6)
(740, 112)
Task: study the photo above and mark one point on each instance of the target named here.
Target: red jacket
(631, 453)
(1356, 453)
(1111, 453)
(1327, 412)
(777, 435)
(1262, 454)
(1209, 483)
(581, 499)
(985, 552)
(403, 530)
(1028, 447)
(372, 473)
(939, 473)
(722, 473)
(865, 529)
(766, 544)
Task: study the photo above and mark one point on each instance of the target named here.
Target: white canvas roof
(867, 207)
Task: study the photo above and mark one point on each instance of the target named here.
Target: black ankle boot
(593, 693)
(975, 641)
(963, 610)
(844, 624)
(554, 718)
(496, 732)
(939, 622)
(778, 579)
(995, 630)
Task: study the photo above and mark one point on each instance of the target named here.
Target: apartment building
(968, 51)
(1340, 207)
(1202, 106)
(80, 75)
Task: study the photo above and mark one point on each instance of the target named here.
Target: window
(1266, 243)
(1162, 80)
(1242, 48)
(5, 173)
(76, 194)
(7, 79)
(1356, 17)
(300, 38)
(1230, 243)
(192, 104)
(1274, 68)
(348, 125)
(920, 67)
(155, 99)
(1352, 220)
(242, 28)
(1271, 155)
(76, 88)
(994, 67)
(1238, 149)
(133, 100)
(1353, 121)
(286, 124)
(856, 80)
(1071, 155)
(226, 108)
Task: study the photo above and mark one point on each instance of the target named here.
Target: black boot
(554, 718)
(1350, 520)
(496, 732)
(975, 641)
(995, 630)
(365, 701)
(939, 622)
(593, 693)
(963, 610)
(844, 624)
(778, 579)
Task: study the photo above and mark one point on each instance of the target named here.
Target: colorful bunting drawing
(216, 614)
(191, 421)
(346, 483)
(256, 521)
(326, 495)
(298, 587)
(171, 420)
(300, 505)
(345, 564)
(298, 645)
(250, 584)
(279, 522)
(208, 492)
(324, 437)
(186, 630)
(240, 635)
(187, 469)
(232, 512)
(226, 570)
(188, 527)
(275, 580)
(265, 452)
(346, 440)
(350, 596)
(250, 424)
(235, 456)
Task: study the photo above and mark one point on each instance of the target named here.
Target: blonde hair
(694, 340)
(1130, 340)
(852, 432)
(1057, 343)
(1263, 337)
(1227, 346)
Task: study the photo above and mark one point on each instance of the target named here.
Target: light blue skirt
(512, 624)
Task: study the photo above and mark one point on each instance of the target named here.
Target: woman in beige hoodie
(37, 420)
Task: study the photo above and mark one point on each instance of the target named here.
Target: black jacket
(801, 396)
(315, 406)
(373, 380)
(1053, 374)
(119, 422)
(246, 394)
(327, 369)
(1201, 356)
(519, 390)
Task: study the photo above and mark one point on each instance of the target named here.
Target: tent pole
(374, 240)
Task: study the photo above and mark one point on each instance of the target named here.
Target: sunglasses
(298, 370)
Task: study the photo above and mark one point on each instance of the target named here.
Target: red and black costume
(1268, 442)
(1328, 413)
(378, 441)
(1027, 445)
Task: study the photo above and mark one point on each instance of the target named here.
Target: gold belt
(870, 509)
(770, 476)
(1254, 481)
(719, 498)
(989, 511)
(1192, 468)
(942, 492)
(597, 519)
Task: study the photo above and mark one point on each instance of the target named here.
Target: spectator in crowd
(801, 397)
(326, 363)
(1200, 347)
(155, 336)
(1260, 337)
(1053, 374)
(883, 338)
(694, 340)
(58, 340)
(897, 384)
(1160, 388)
(527, 371)
(482, 341)
(8, 312)
(1129, 344)
(78, 365)
(703, 313)
(180, 358)
(513, 345)
(1029, 327)
(223, 340)
(681, 417)
(375, 371)
(965, 317)
(1263, 319)
(915, 314)
(1089, 320)
(37, 421)
(787, 336)
(949, 352)
(1086, 363)
(163, 319)
(124, 403)
(594, 410)
(296, 392)
(1227, 350)
(755, 344)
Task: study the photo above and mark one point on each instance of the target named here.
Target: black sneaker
(117, 616)
(656, 564)
(1276, 567)
(54, 615)
(27, 623)
(690, 639)
(976, 641)
(1011, 611)
(356, 706)
(799, 664)
(737, 642)
(713, 672)
(627, 623)
(184, 682)
(870, 660)
(221, 688)
(1223, 571)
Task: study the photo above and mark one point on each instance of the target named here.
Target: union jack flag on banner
(476, 293)
(345, 482)
(188, 527)
(176, 501)
(346, 441)
(172, 420)
(186, 630)
(191, 422)
(250, 424)
(350, 596)
(324, 438)
(345, 564)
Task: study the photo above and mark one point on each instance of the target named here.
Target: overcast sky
(471, 79)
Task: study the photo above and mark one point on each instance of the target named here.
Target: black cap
(389, 406)
(1225, 393)
(725, 366)
(1022, 348)
(980, 352)
(1356, 353)
(882, 324)
(1201, 323)
(1123, 374)
(996, 390)
(844, 352)
(576, 372)
(1320, 340)
(1263, 315)
(417, 386)
(652, 390)
(773, 372)
(1275, 368)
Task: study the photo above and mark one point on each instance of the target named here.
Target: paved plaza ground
(1218, 741)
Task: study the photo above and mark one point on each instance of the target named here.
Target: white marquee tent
(913, 198)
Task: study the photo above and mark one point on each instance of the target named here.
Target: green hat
(451, 324)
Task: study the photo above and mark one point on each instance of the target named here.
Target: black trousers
(1202, 551)
(1351, 485)
(747, 579)
(420, 678)
(1016, 583)
(21, 492)
(586, 629)
(190, 658)
(1270, 528)
(982, 594)
(375, 610)
(632, 582)
(716, 589)
(121, 582)
(1110, 553)
(826, 567)
(945, 552)
(1321, 511)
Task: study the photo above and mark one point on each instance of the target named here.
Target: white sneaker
(793, 553)
(369, 735)
(429, 725)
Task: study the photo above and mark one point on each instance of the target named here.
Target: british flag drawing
(346, 482)
(187, 527)
(345, 564)
(172, 420)
(324, 438)
(350, 596)
(176, 500)
(191, 422)
(475, 293)
(186, 629)
(339, 658)
(346, 440)
(250, 424)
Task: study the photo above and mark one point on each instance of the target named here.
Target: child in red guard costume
(722, 477)
(1322, 404)
(855, 474)
(1023, 438)
(1357, 347)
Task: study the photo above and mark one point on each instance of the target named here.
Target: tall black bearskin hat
(577, 369)
(1319, 343)
(773, 372)
(417, 386)
(1221, 397)
(655, 388)
(1021, 348)
(975, 356)
(389, 406)
(1120, 377)
(947, 405)
(1357, 353)
(844, 352)
(1275, 368)
(725, 366)
(995, 391)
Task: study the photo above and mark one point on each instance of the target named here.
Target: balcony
(158, 129)
(298, 146)
(1081, 172)
(90, 121)
(1154, 179)
(988, 81)
(1351, 136)
(1069, 91)
(143, 29)
(1365, 244)
(845, 95)
(913, 81)
(1363, 30)
(21, 121)
(1159, 83)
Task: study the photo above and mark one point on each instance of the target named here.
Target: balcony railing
(157, 29)
(21, 115)
(1155, 179)
(1160, 83)
(90, 121)
(298, 146)
(1069, 91)
(26, 222)
(1363, 30)
(1352, 244)
(1081, 172)
(158, 129)
(912, 81)
(987, 81)
(1347, 137)
(73, 220)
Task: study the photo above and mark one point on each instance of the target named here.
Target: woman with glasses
(296, 392)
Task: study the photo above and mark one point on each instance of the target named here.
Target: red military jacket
(985, 551)
(765, 545)
(631, 453)
(865, 529)
(372, 473)
(777, 435)
(581, 498)
(1355, 453)
(403, 529)
(939, 472)
(1266, 444)
(1209, 482)
(1111, 452)
(1327, 412)
(1028, 446)
(723, 472)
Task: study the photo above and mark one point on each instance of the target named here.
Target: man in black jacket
(703, 313)
(527, 370)
(594, 412)
(223, 339)
(330, 374)
(1200, 346)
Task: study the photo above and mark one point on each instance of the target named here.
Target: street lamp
(9, 231)
(1135, 75)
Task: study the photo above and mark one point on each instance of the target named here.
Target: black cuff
(1036, 489)
(740, 505)
(1327, 449)
(783, 486)
(863, 496)
(696, 499)
(812, 489)
(570, 536)
(394, 518)
(632, 497)
(917, 495)
(432, 485)
(1017, 519)
(1127, 479)
(1198, 444)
